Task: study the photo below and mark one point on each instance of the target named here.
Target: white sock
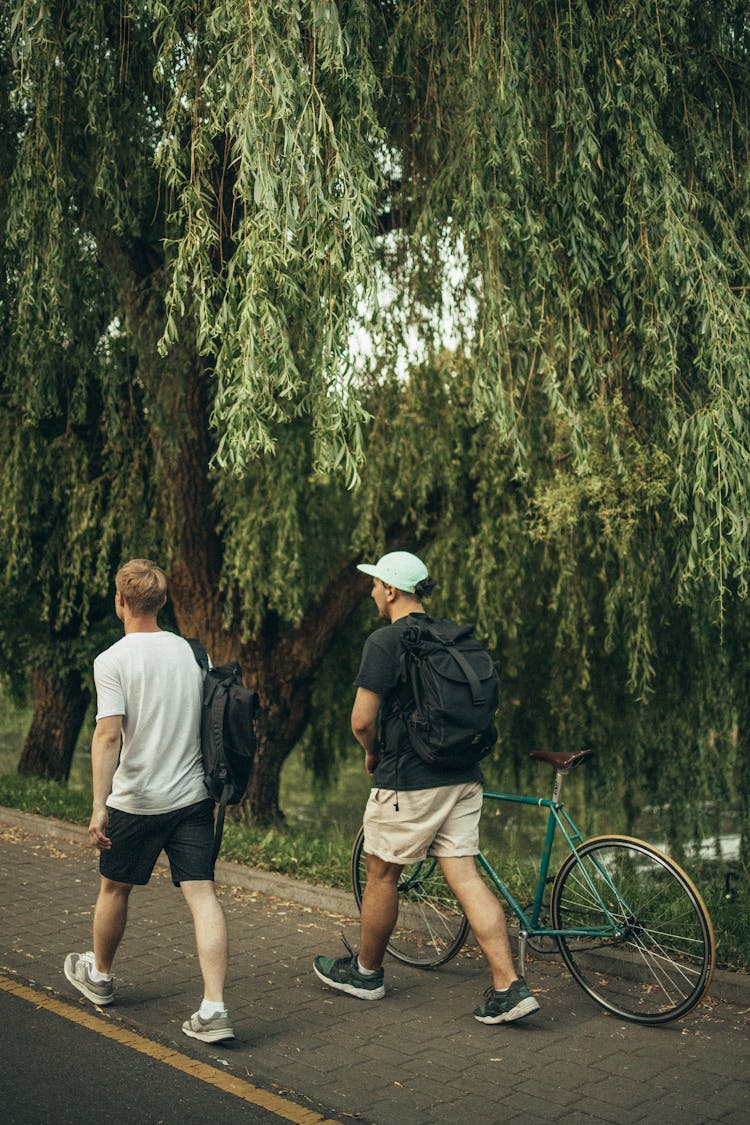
(365, 972)
(210, 1008)
(96, 975)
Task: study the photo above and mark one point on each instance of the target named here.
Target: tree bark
(280, 664)
(282, 669)
(59, 704)
(177, 394)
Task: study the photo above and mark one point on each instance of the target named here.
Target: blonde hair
(143, 585)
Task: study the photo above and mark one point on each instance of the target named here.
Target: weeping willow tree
(76, 496)
(548, 601)
(558, 189)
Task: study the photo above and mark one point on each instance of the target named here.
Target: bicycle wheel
(652, 957)
(431, 925)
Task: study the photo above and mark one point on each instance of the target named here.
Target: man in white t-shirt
(149, 794)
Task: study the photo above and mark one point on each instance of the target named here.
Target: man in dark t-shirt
(400, 767)
(415, 810)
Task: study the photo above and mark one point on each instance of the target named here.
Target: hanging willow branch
(569, 181)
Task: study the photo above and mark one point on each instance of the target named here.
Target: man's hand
(97, 826)
(371, 762)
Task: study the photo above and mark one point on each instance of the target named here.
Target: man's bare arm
(105, 753)
(364, 725)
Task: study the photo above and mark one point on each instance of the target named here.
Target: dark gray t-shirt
(380, 672)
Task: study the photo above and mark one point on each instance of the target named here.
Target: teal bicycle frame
(627, 921)
(558, 817)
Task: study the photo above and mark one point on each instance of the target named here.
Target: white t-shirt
(154, 682)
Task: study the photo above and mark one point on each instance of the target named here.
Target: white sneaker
(78, 968)
(211, 1030)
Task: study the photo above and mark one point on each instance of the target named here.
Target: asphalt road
(52, 1070)
(302, 1051)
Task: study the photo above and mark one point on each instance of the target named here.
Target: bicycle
(630, 925)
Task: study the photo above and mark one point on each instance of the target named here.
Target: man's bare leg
(486, 916)
(210, 935)
(110, 919)
(379, 910)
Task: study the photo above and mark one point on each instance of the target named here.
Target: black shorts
(186, 835)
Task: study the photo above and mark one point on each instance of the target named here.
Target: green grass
(729, 910)
(324, 859)
(47, 798)
(315, 842)
(291, 851)
(288, 850)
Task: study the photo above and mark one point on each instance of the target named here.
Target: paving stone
(416, 1057)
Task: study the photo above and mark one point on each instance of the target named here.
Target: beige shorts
(442, 822)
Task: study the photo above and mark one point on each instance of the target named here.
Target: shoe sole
(209, 1036)
(351, 989)
(100, 1001)
(525, 1007)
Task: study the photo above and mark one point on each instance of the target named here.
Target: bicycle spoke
(652, 956)
(659, 962)
(431, 926)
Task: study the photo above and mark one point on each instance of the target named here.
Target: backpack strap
(221, 810)
(477, 695)
(215, 702)
(199, 652)
(215, 734)
(412, 638)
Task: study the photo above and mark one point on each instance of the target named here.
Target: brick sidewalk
(416, 1057)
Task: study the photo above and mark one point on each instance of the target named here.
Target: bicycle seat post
(557, 787)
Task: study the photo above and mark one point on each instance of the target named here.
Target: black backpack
(227, 734)
(450, 694)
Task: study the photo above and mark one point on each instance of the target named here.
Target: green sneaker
(513, 1003)
(342, 973)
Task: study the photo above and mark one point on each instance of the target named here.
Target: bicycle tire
(431, 926)
(659, 965)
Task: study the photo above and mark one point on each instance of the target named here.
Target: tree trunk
(279, 728)
(280, 664)
(281, 667)
(60, 704)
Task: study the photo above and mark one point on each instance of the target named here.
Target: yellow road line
(274, 1103)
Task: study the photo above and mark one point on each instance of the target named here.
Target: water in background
(506, 830)
(509, 834)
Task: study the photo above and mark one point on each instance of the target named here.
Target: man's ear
(390, 592)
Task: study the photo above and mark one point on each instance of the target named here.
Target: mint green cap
(398, 568)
